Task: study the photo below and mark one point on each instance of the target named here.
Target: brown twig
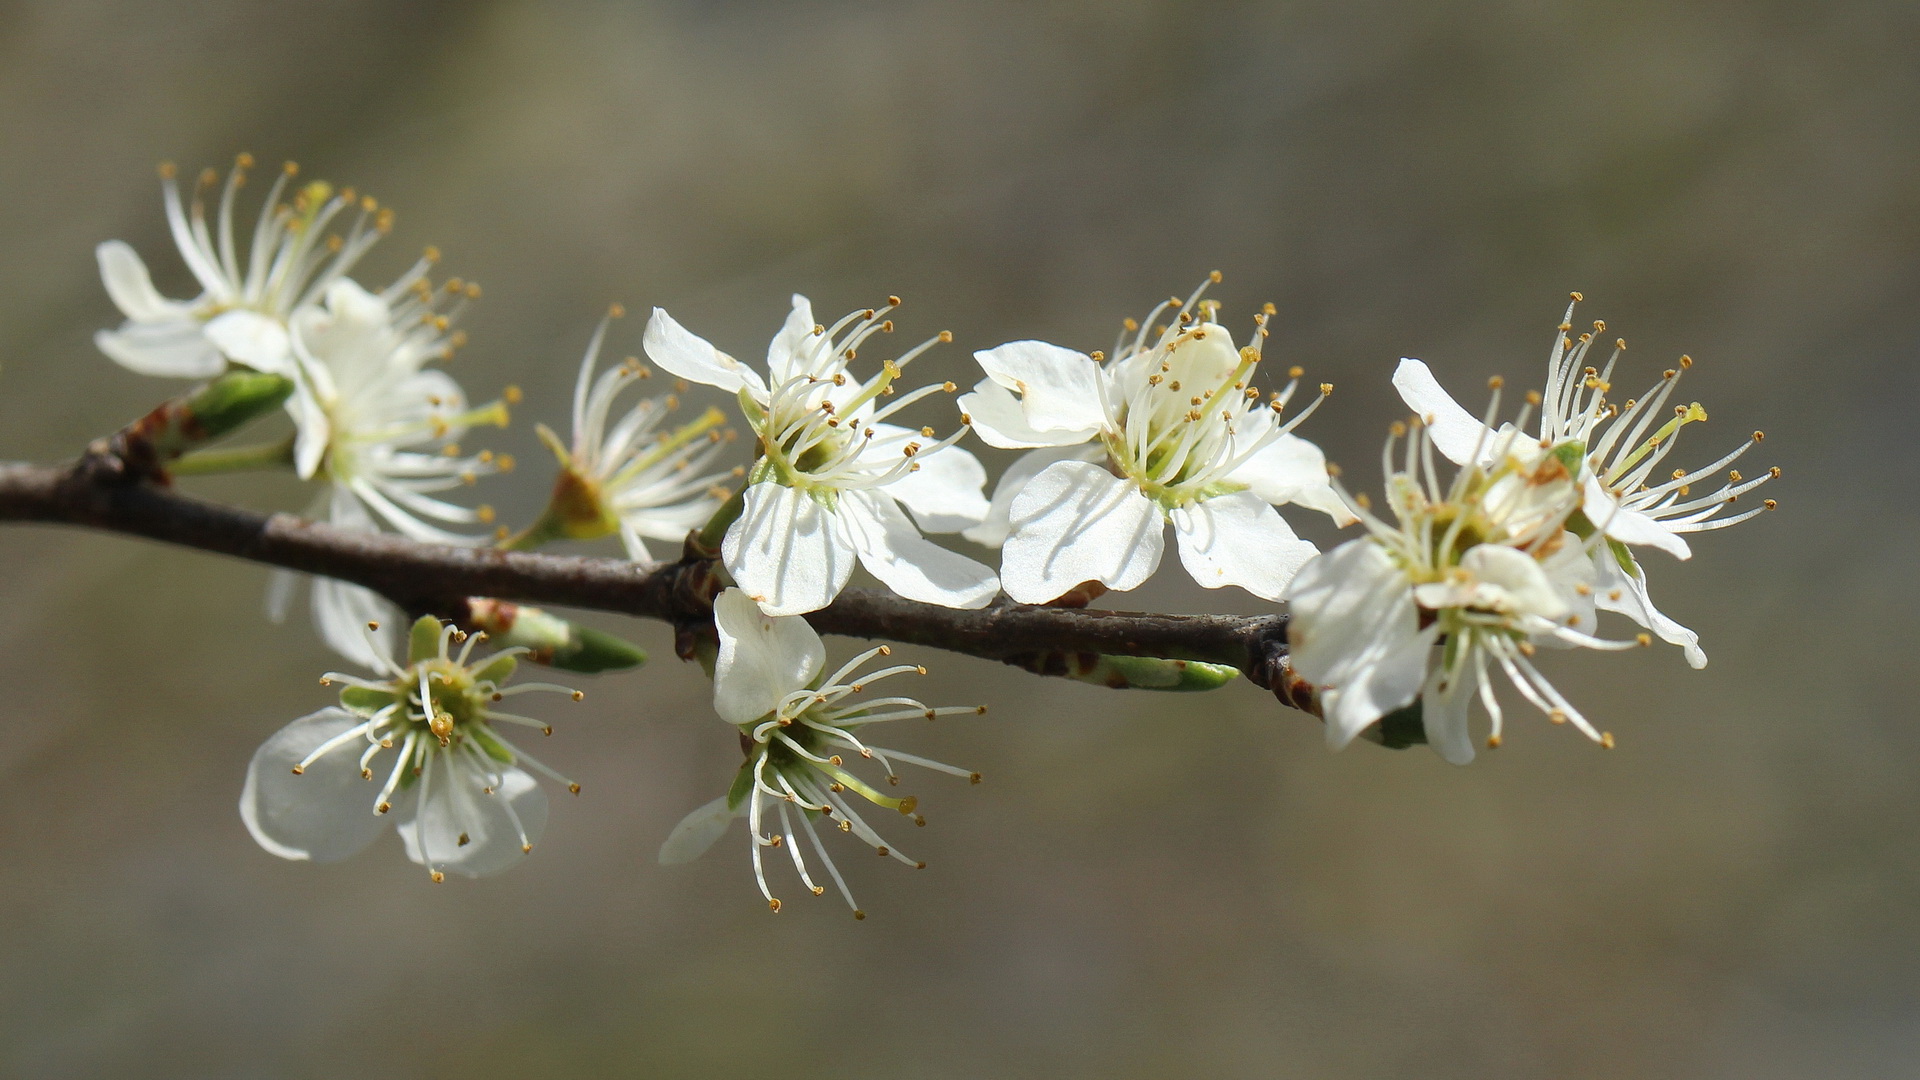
(99, 492)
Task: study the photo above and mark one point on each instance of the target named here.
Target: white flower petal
(1629, 526)
(698, 831)
(787, 551)
(763, 658)
(312, 430)
(1239, 540)
(992, 530)
(1522, 586)
(791, 341)
(131, 288)
(341, 613)
(1353, 631)
(175, 350)
(1443, 712)
(1059, 388)
(995, 415)
(253, 339)
(944, 493)
(1203, 357)
(457, 806)
(324, 814)
(1292, 470)
(911, 565)
(681, 352)
(1077, 522)
(1618, 591)
(1455, 431)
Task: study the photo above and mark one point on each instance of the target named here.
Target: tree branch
(102, 492)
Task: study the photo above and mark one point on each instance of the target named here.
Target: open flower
(1484, 567)
(1616, 452)
(800, 730)
(633, 477)
(834, 482)
(379, 428)
(245, 304)
(1169, 431)
(420, 742)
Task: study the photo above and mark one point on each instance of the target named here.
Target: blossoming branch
(1495, 539)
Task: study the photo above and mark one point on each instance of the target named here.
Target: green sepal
(489, 743)
(1624, 557)
(364, 701)
(423, 641)
(1400, 728)
(1580, 525)
(497, 670)
(742, 784)
(1570, 454)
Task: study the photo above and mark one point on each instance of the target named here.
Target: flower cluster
(1519, 550)
(1495, 538)
(374, 425)
(419, 742)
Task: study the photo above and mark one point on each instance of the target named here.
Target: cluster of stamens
(439, 712)
(1178, 441)
(1517, 500)
(816, 428)
(797, 764)
(292, 257)
(1625, 448)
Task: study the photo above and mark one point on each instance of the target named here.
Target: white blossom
(1615, 450)
(835, 482)
(420, 742)
(632, 476)
(1170, 430)
(1484, 568)
(247, 298)
(378, 427)
(800, 727)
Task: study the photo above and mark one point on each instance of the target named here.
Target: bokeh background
(1145, 886)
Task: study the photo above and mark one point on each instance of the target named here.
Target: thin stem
(278, 455)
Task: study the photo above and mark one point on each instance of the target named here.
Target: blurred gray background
(1145, 886)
